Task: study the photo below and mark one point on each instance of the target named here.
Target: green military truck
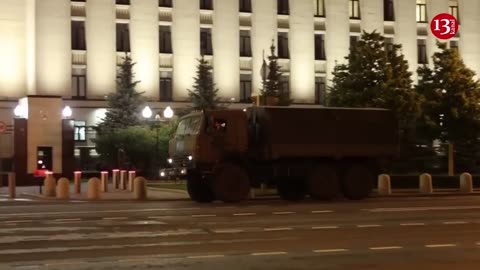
(322, 152)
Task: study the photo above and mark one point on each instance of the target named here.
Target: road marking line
(321, 211)
(206, 256)
(114, 218)
(16, 221)
(36, 266)
(228, 231)
(68, 219)
(101, 211)
(454, 222)
(277, 229)
(440, 245)
(283, 213)
(244, 214)
(324, 227)
(269, 253)
(385, 248)
(369, 226)
(65, 263)
(330, 250)
(412, 224)
(200, 216)
(411, 209)
(133, 260)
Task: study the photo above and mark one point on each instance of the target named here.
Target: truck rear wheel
(199, 189)
(357, 182)
(231, 182)
(323, 183)
(291, 189)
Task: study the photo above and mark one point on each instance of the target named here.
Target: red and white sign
(444, 26)
(3, 127)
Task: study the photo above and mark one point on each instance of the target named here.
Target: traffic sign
(3, 127)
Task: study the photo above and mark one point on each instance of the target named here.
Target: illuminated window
(80, 131)
(319, 8)
(245, 5)
(421, 11)
(165, 3)
(282, 6)
(123, 38)
(389, 12)
(388, 43)
(320, 47)
(283, 45)
(166, 86)
(79, 84)
(78, 36)
(206, 4)
(245, 43)
(454, 9)
(320, 92)
(165, 37)
(206, 41)
(284, 85)
(354, 41)
(354, 9)
(245, 88)
(422, 51)
(454, 44)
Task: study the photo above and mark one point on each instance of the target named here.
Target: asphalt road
(380, 233)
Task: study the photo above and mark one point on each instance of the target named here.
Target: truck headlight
(170, 161)
(183, 171)
(162, 174)
(190, 158)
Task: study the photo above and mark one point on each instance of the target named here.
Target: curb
(169, 190)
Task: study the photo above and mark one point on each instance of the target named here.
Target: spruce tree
(123, 105)
(376, 76)
(204, 93)
(271, 84)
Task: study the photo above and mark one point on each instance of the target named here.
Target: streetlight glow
(168, 113)
(147, 112)
(19, 111)
(67, 112)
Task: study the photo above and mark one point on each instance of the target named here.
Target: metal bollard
(131, 178)
(140, 188)
(384, 185)
(77, 179)
(63, 188)
(466, 183)
(12, 184)
(426, 186)
(115, 175)
(49, 185)
(93, 191)
(104, 178)
(123, 179)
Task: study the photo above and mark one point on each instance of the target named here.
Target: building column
(406, 32)
(49, 47)
(101, 48)
(264, 30)
(434, 7)
(226, 48)
(337, 38)
(145, 45)
(302, 51)
(372, 16)
(12, 52)
(470, 34)
(186, 46)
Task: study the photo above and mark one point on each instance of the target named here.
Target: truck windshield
(189, 126)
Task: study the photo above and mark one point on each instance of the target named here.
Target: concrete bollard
(384, 184)
(123, 179)
(77, 180)
(426, 186)
(131, 178)
(12, 184)
(93, 190)
(63, 189)
(49, 185)
(466, 183)
(140, 188)
(115, 175)
(104, 179)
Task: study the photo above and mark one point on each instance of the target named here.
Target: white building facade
(72, 48)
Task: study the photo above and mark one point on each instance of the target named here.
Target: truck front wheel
(357, 182)
(291, 189)
(231, 182)
(199, 189)
(323, 183)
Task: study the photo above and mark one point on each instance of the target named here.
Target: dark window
(78, 36)
(319, 47)
(421, 11)
(422, 52)
(389, 13)
(245, 43)
(353, 41)
(283, 45)
(319, 8)
(388, 43)
(245, 5)
(165, 3)
(285, 85)
(165, 39)
(122, 2)
(245, 88)
(454, 9)
(206, 41)
(78, 0)
(79, 86)
(282, 6)
(80, 131)
(320, 92)
(206, 4)
(166, 86)
(354, 9)
(454, 44)
(123, 38)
